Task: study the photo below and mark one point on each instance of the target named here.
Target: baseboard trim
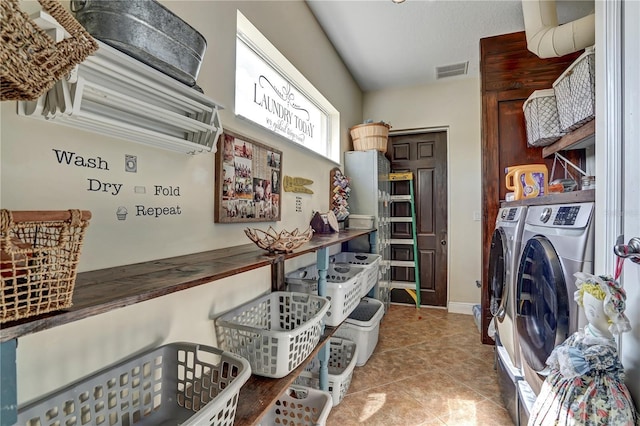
(453, 307)
(413, 304)
(460, 308)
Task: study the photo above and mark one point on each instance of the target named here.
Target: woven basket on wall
(39, 254)
(30, 61)
(370, 136)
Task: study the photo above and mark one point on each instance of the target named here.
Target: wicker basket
(39, 254)
(370, 136)
(30, 61)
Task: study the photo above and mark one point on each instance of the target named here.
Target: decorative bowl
(278, 242)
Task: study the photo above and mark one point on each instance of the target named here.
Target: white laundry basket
(343, 354)
(275, 332)
(299, 406)
(369, 262)
(343, 288)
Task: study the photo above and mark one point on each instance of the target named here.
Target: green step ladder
(413, 288)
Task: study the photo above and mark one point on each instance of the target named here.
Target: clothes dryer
(557, 241)
(503, 266)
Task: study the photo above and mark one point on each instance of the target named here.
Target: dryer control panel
(566, 215)
(510, 214)
(561, 215)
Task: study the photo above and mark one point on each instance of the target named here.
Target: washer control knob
(503, 214)
(546, 215)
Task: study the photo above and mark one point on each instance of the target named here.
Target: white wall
(454, 104)
(32, 178)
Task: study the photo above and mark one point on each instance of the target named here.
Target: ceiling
(388, 45)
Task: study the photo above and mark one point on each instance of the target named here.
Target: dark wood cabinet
(509, 74)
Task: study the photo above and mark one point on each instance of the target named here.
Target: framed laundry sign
(248, 180)
(272, 93)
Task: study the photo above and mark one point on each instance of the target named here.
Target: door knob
(630, 250)
(443, 242)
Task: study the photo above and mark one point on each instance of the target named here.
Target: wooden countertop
(101, 291)
(585, 196)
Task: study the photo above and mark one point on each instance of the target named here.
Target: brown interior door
(424, 154)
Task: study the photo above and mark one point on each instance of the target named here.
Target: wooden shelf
(582, 137)
(104, 290)
(585, 196)
(101, 291)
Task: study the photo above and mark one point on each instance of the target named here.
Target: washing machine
(503, 264)
(557, 242)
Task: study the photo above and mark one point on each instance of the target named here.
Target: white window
(272, 93)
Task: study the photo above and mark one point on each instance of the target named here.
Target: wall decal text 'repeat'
(157, 211)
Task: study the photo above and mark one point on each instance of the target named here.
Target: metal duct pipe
(546, 38)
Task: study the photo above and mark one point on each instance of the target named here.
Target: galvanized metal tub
(147, 31)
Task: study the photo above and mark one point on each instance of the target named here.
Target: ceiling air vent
(452, 70)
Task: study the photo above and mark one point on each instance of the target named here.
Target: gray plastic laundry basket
(275, 332)
(178, 383)
(299, 406)
(343, 288)
(343, 354)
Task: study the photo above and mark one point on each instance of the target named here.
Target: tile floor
(429, 368)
